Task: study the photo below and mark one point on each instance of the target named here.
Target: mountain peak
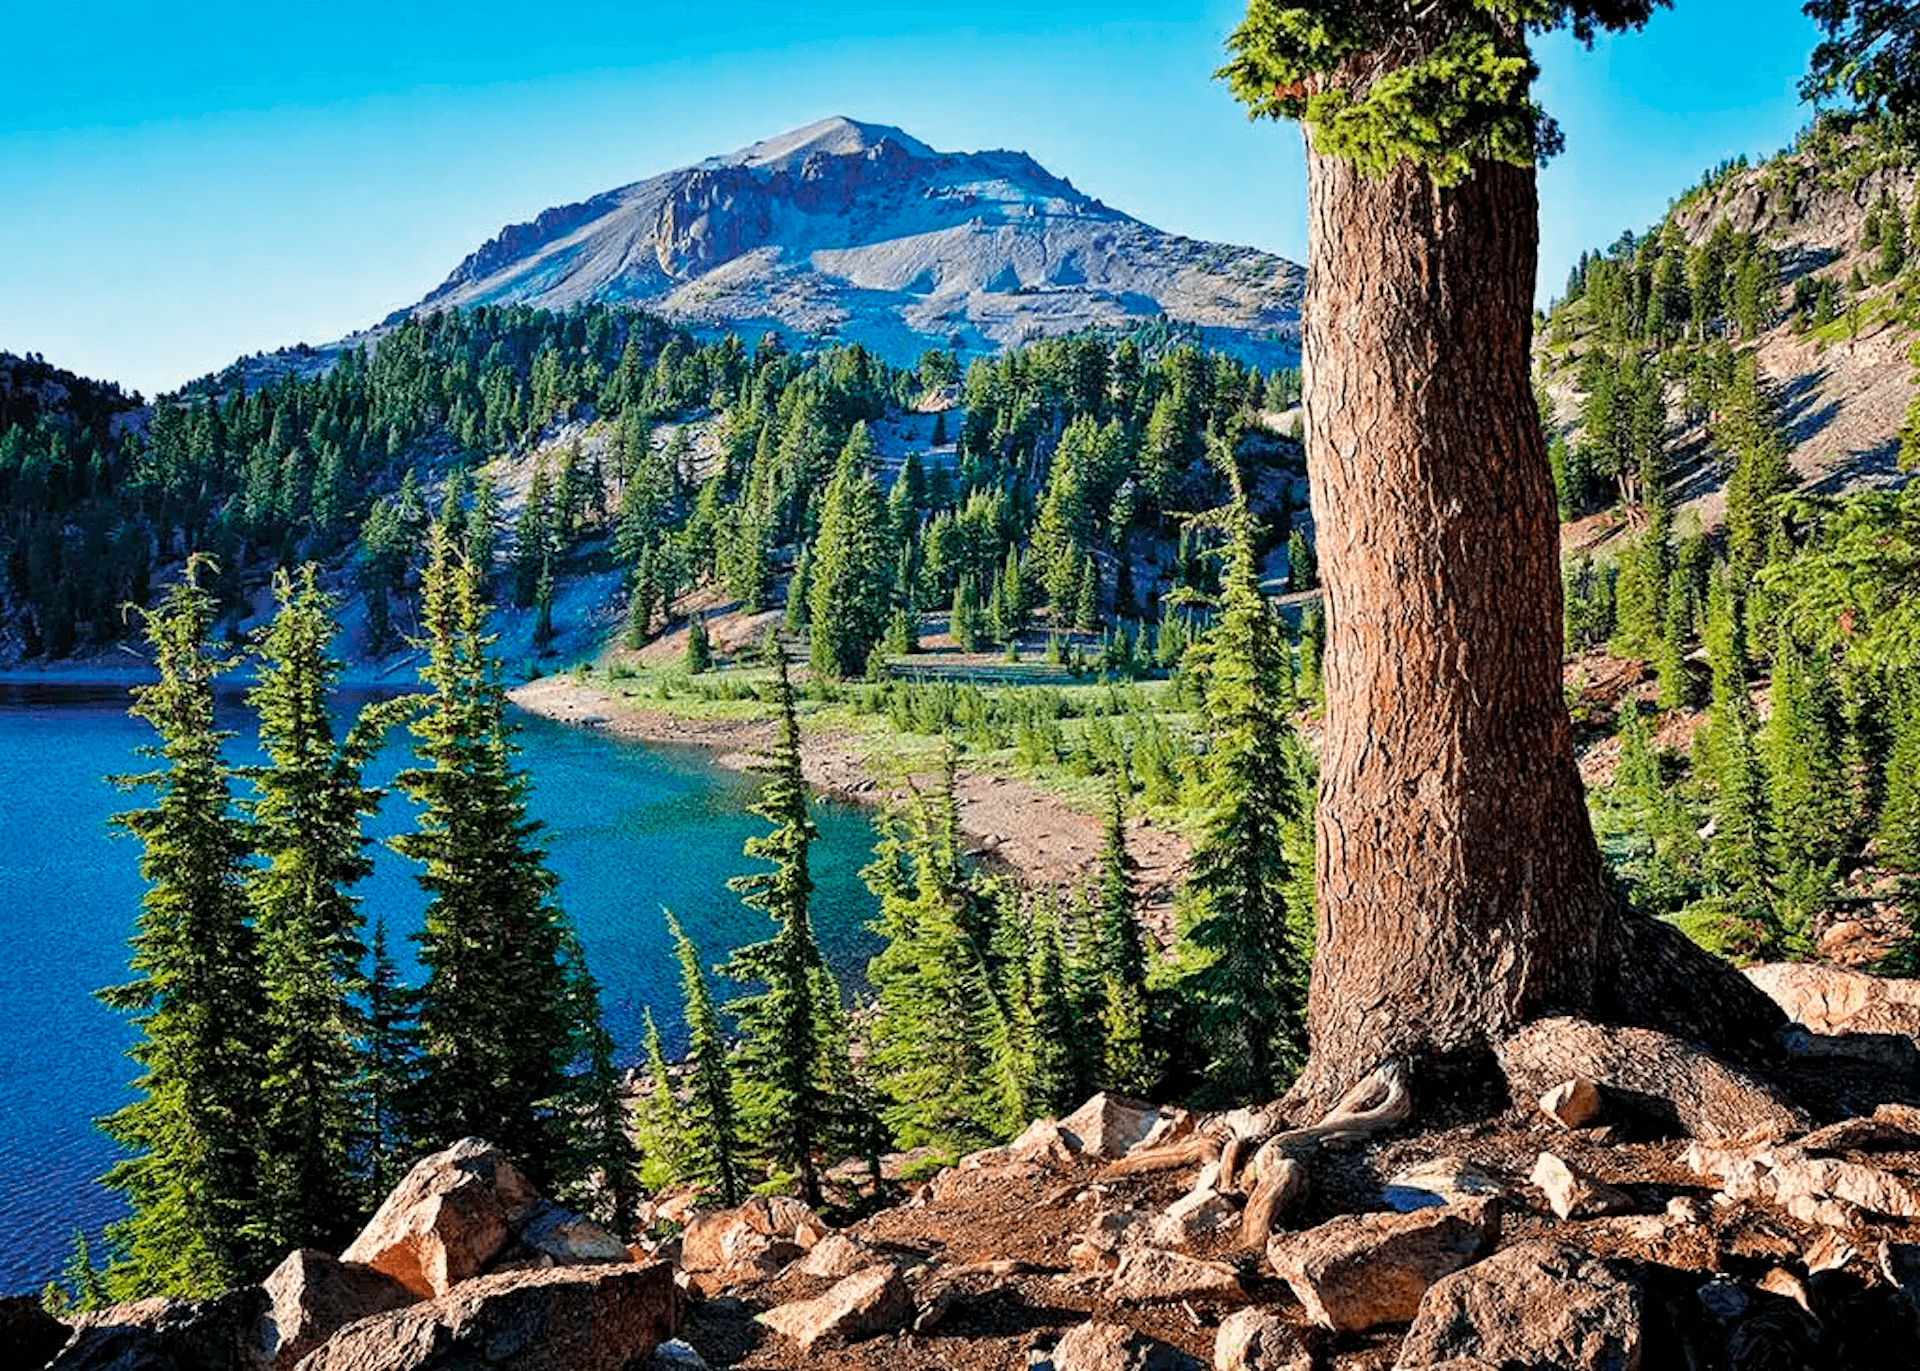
(838, 136)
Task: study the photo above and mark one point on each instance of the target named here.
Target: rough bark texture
(1461, 893)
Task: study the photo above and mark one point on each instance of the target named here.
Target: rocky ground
(1652, 1209)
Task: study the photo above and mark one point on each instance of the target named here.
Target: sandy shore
(1025, 831)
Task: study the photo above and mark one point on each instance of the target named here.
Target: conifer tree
(191, 1176)
(666, 1152)
(1045, 1024)
(307, 822)
(1122, 955)
(1898, 830)
(963, 627)
(1808, 819)
(699, 647)
(708, 1125)
(497, 1026)
(848, 598)
(786, 1107)
(392, 1068)
(1249, 988)
(602, 1161)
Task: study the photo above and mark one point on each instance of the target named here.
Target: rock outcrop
(451, 1215)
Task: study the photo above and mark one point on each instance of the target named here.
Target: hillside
(861, 232)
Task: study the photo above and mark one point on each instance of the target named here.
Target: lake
(630, 828)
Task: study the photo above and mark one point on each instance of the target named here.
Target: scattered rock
(167, 1335)
(762, 1235)
(29, 1335)
(1109, 1126)
(1890, 1126)
(868, 1302)
(1821, 1190)
(1196, 1214)
(1833, 999)
(1259, 1340)
(1688, 1209)
(310, 1297)
(1539, 1304)
(1890, 1051)
(835, 1256)
(678, 1356)
(569, 1240)
(1096, 1346)
(1108, 1234)
(567, 1318)
(1441, 1181)
(1573, 1103)
(1573, 1196)
(1043, 1142)
(1151, 1275)
(446, 1220)
(1656, 1073)
(1362, 1270)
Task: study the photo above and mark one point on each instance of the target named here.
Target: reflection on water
(630, 828)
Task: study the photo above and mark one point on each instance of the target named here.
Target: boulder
(566, 1318)
(1656, 1074)
(864, 1304)
(1096, 1346)
(763, 1234)
(164, 1334)
(1043, 1142)
(677, 1356)
(451, 1215)
(835, 1256)
(1572, 1195)
(1822, 1190)
(1259, 1340)
(29, 1335)
(1573, 1103)
(1150, 1275)
(1363, 1270)
(1196, 1214)
(566, 1239)
(1441, 1181)
(1109, 1233)
(1833, 999)
(310, 1297)
(1110, 1126)
(1538, 1305)
(1889, 1126)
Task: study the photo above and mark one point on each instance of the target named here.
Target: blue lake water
(630, 828)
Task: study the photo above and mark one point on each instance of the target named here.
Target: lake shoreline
(1010, 825)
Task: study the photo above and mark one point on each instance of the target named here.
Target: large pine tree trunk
(1460, 889)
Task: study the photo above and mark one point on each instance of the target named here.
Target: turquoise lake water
(630, 828)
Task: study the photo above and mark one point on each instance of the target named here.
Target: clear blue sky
(184, 183)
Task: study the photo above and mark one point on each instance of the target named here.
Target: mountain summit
(862, 231)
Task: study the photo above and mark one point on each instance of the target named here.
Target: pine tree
(786, 1107)
(708, 1125)
(496, 1019)
(1808, 819)
(191, 1179)
(307, 823)
(848, 599)
(943, 1039)
(392, 1068)
(699, 647)
(963, 627)
(1249, 991)
(666, 1152)
(1122, 955)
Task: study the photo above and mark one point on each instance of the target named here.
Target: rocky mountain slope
(864, 232)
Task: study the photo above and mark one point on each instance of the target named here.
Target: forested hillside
(1724, 395)
(1064, 453)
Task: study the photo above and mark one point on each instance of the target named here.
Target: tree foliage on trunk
(194, 1135)
(708, 1125)
(307, 820)
(786, 1101)
(497, 1030)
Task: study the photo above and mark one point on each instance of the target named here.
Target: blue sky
(184, 183)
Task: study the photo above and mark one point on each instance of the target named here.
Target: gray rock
(1363, 1270)
(678, 1356)
(1441, 1181)
(568, 1239)
(864, 1304)
(310, 1297)
(565, 1318)
(1572, 1195)
(29, 1336)
(161, 1334)
(1150, 1275)
(1259, 1340)
(1097, 1346)
(1537, 1305)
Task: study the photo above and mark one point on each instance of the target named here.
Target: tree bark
(1460, 889)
